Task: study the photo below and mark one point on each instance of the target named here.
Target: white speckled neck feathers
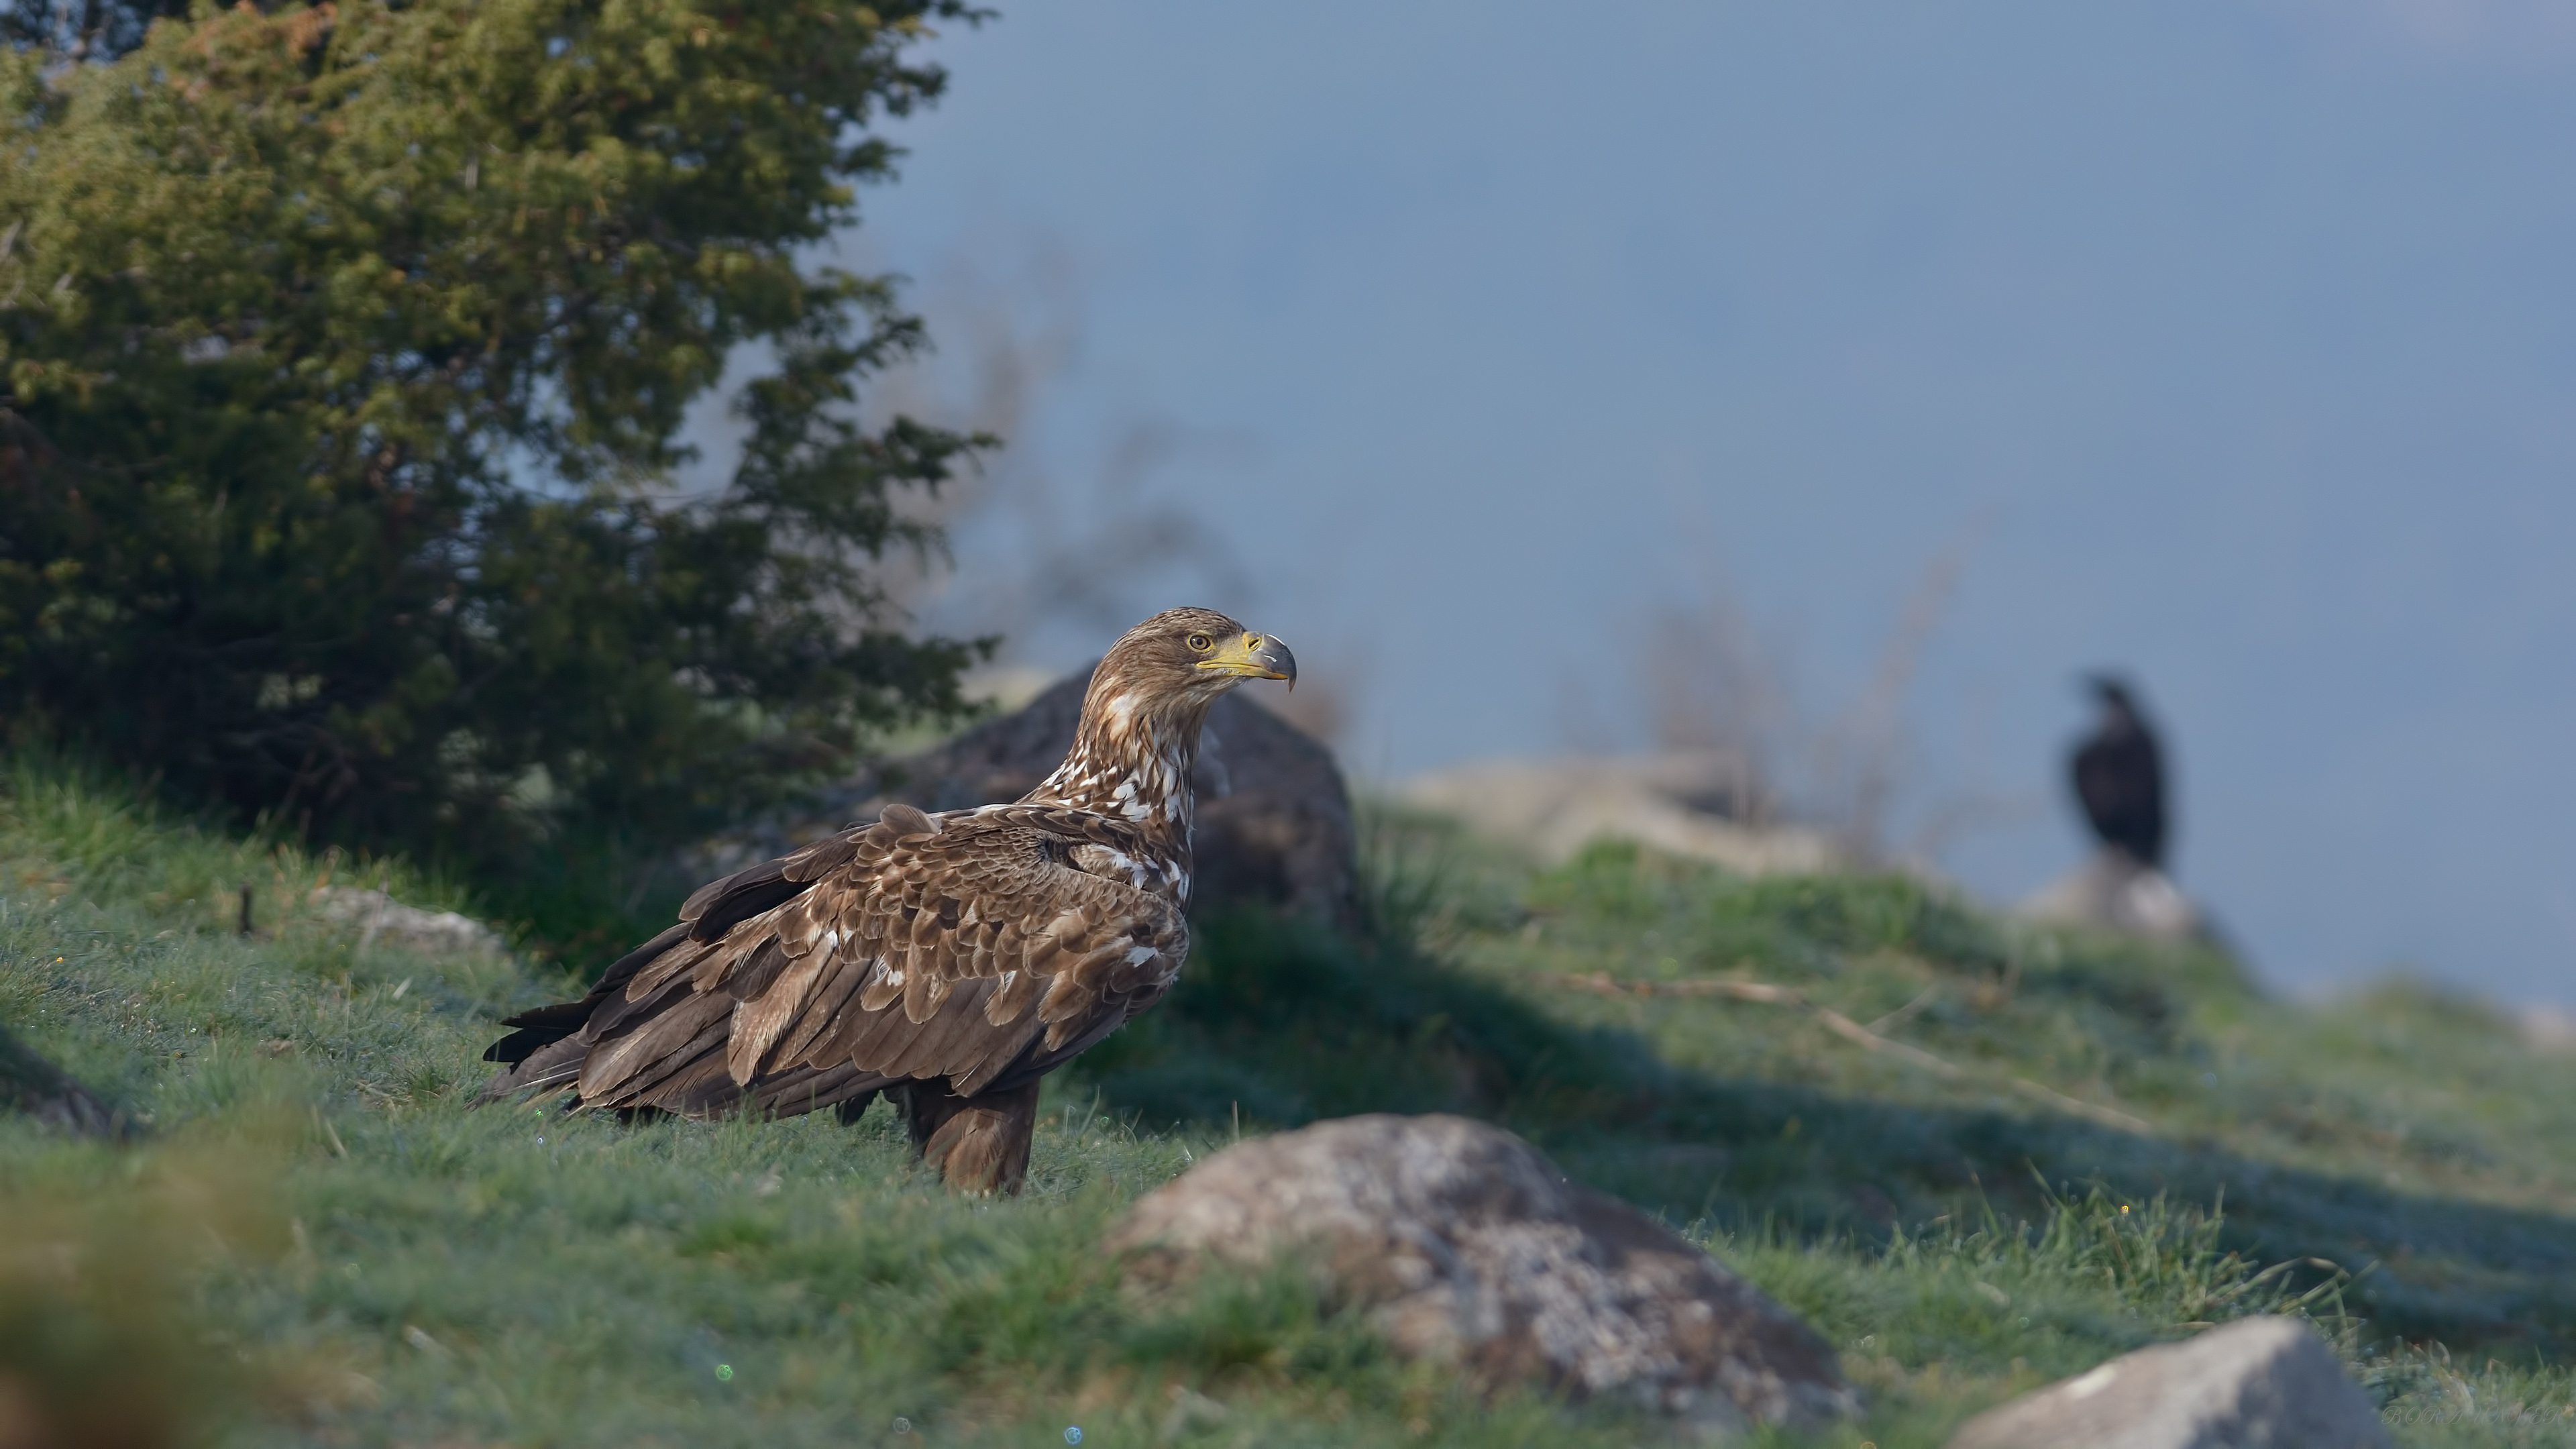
(1139, 737)
(1131, 760)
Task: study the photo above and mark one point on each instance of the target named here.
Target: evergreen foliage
(346, 350)
(77, 30)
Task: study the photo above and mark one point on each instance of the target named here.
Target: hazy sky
(2232, 344)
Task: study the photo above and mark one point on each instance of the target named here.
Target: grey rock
(1274, 816)
(1466, 1246)
(2544, 1028)
(2114, 892)
(379, 919)
(2258, 1383)
(1676, 803)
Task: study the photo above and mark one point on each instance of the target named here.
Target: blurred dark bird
(2119, 776)
(948, 961)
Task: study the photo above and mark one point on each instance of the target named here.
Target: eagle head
(1187, 657)
(1141, 717)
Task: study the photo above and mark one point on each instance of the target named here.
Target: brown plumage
(947, 960)
(2119, 778)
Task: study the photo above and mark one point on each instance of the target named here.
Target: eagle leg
(980, 1144)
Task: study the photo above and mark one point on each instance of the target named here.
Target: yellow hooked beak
(1254, 656)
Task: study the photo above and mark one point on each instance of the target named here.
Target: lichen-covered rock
(1274, 816)
(1675, 803)
(2258, 1383)
(379, 919)
(2111, 891)
(1466, 1246)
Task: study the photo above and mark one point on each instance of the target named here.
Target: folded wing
(967, 946)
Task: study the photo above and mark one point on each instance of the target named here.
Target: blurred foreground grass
(319, 1242)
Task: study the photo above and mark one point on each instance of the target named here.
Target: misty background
(1874, 368)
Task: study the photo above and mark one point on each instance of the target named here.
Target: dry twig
(1906, 1013)
(1842, 1026)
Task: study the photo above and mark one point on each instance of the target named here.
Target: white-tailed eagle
(2119, 776)
(948, 961)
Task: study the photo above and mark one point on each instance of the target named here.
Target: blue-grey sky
(2230, 342)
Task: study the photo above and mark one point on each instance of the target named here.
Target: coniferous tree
(344, 351)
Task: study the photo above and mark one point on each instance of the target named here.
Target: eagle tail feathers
(622, 1069)
(556, 1063)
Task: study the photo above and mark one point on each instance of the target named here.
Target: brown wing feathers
(957, 947)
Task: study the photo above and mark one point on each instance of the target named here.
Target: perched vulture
(2119, 777)
(946, 960)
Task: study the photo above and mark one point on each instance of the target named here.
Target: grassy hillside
(319, 1241)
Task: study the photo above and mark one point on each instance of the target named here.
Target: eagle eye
(1202, 643)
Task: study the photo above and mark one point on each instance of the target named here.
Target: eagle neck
(1131, 761)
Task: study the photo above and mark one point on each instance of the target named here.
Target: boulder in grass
(2258, 1383)
(1683, 804)
(1466, 1246)
(2113, 892)
(380, 920)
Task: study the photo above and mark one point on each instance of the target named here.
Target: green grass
(321, 1242)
